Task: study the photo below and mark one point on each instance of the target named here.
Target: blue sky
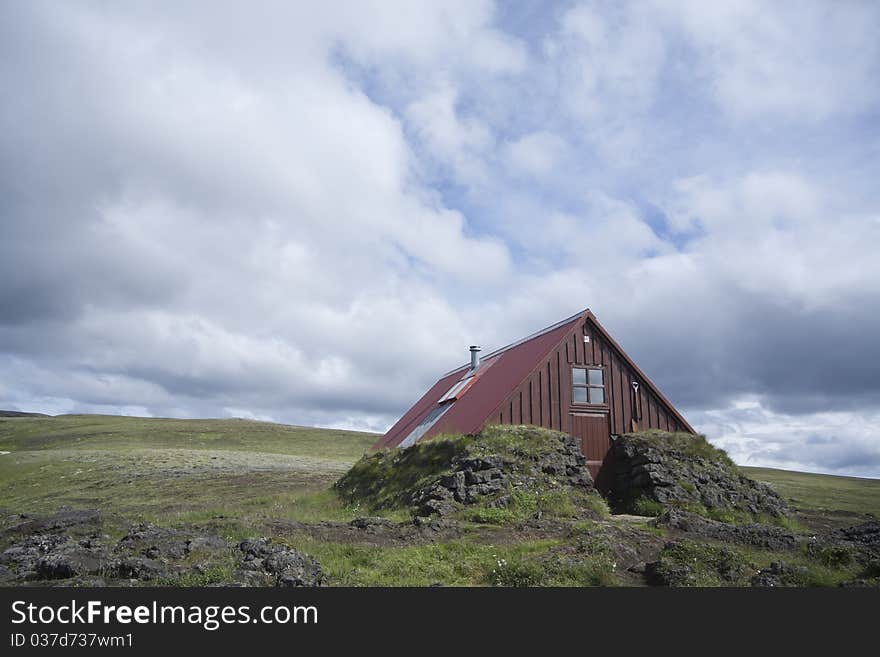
(305, 213)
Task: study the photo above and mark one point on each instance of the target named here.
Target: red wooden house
(571, 376)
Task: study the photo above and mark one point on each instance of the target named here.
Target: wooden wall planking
(544, 398)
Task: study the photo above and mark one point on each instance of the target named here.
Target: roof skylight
(457, 390)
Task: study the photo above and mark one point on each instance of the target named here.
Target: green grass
(452, 563)
(644, 506)
(205, 577)
(729, 516)
(172, 471)
(686, 443)
(461, 562)
(517, 441)
(822, 493)
(387, 479)
(126, 433)
(523, 505)
(689, 563)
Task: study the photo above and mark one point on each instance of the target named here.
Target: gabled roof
(498, 375)
(635, 368)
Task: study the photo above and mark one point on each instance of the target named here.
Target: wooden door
(593, 430)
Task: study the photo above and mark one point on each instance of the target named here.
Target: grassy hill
(172, 470)
(822, 493)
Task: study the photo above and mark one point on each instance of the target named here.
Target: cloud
(608, 57)
(537, 154)
(768, 300)
(447, 137)
(460, 33)
(804, 64)
(305, 213)
(835, 441)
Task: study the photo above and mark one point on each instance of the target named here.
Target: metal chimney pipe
(475, 356)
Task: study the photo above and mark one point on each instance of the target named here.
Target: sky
(305, 212)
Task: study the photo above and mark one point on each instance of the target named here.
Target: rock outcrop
(69, 548)
(489, 470)
(269, 564)
(486, 479)
(780, 573)
(752, 534)
(865, 536)
(658, 469)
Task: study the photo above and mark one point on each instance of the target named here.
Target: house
(571, 376)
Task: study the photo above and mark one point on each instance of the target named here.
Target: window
(423, 426)
(587, 385)
(457, 390)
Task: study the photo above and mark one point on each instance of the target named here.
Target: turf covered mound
(655, 470)
(504, 472)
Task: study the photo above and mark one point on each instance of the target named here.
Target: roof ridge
(532, 336)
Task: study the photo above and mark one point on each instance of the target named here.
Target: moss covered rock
(688, 563)
(502, 473)
(655, 470)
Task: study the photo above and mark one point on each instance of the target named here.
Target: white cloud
(537, 154)
(456, 142)
(804, 62)
(782, 227)
(305, 213)
(459, 33)
(608, 60)
(837, 442)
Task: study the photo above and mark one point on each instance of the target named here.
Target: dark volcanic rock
(866, 535)
(65, 549)
(21, 557)
(61, 546)
(438, 477)
(755, 535)
(69, 560)
(663, 574)
(683, 470)
(139, 568)
(374, 525)
(469, 472)
(780, 573)
(83, 521)
(152, 542)
(689, 563)
(857, 545)
(283, 566)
